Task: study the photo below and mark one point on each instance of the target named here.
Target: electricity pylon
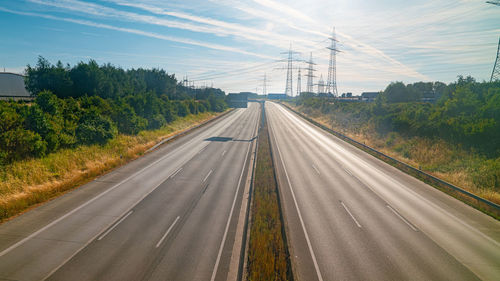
(331, 84)
(299, 82)
(495, 74)
(289, 77)
(264, 85)
(310, 75)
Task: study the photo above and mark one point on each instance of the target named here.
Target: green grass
(267, 255)
(26, 183)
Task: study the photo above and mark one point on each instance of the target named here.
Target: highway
(350, 216)
(172, 214)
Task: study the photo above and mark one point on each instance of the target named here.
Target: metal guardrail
(479, 203)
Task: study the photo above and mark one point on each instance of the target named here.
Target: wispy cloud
(219, 27)
(285, 9)
(141, 32)
(419, 40)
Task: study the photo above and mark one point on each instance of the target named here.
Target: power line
(209, 76)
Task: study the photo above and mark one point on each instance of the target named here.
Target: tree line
(466, 112)
(90, 104)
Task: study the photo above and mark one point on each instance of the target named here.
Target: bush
(127, 121)
(181, 109)
(94, 128)
(157, 122)
(488, 175)
(48, 102)
(89, 103)
(20, 143)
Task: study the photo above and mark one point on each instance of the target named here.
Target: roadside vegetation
(268, 257)
(456, 138)
(85, 120)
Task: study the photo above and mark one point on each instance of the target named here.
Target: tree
(398, 92)
(87, 79)
(126, 120)
(45, 76)
(48, 102)
(181, 108)
(95, 128)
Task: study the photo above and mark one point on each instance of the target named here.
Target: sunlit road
(170, 215)
(350, 216)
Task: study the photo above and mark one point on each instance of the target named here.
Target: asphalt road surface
(350, 216)
(170, 215)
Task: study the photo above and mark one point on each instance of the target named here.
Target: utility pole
(299, 82)
(495, 74)
(310, 75)
(331, 84)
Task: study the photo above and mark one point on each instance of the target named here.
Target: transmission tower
(310, 75)
(331, 84)
(289, 71)
(495, 74)
(264, 85)
(321, 85)
(299, 82)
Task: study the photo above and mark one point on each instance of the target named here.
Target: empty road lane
(351, 216)
(170, 215)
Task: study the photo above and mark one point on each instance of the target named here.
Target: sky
(233, 44)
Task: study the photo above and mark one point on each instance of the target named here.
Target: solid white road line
(318, 272)
(350, 214)
(347, 171)
(201, 150)
(326, 142)
(176, 172)
(78, 208)
(316, 169)
(168, 231)
(216, 266)
(402, 218)
(115, 225)
(100, 195)
(24, 240)
(206, 177)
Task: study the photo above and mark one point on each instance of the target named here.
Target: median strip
(268, 256)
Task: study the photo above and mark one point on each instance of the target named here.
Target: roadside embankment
(27, 183)
(268, 257)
